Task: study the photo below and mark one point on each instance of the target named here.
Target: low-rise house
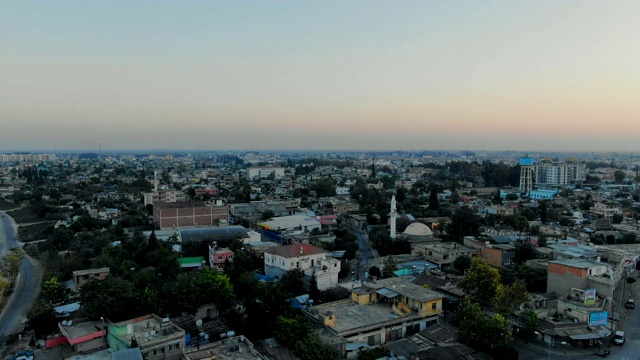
(308, 258)
(84, 337)
(444, 254)
(81, 277)
(156, 337)
(219, 257)
(498, 255)
(380, 311)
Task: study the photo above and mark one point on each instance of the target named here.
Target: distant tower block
(392, 216)
(526, 175)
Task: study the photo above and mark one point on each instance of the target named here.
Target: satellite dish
(153, 332)
(199, 322)
(206, 336)
(69, 323)
(64, 322)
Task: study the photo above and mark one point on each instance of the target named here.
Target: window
(219, 257)
(175, 346)
(434, 306)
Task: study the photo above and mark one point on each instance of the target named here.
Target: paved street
(365, 253)
(28, 282)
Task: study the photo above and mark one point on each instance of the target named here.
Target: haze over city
(347, 75)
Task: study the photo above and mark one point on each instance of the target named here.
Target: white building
(168, 196)
(265, 172)
(291, 223)
(306, 257)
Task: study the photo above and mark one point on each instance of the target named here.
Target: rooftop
(288, 222)
(296, 250)
(145, 329)
(578, 263)
(405, 288)
(352, 317)
(238, 347)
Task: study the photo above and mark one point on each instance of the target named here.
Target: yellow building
(380, 311)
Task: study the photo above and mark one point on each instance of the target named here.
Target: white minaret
(392, 215)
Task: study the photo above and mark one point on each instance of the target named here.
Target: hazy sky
(523, 75)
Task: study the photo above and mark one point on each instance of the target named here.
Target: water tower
(526, 175)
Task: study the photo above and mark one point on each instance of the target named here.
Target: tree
(433, 198)
(314, 292)
(389, 266)
(52, 289)
(530, 321)
(619, 176)
(289, 330)
(525, 251)
(41, 317)
(508, 298)
(482, 331)
(481, 281)
(268, 214)
(11, 264)
(617, 218)
(461, 264)
(497, 198)
(375, 271)
(292, 282)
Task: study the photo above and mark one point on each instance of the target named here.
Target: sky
(543, 75)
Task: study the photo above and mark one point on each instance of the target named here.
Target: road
(365, 252)
(27, 283)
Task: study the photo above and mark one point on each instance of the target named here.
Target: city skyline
(349, 75)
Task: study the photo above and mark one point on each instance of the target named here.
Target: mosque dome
(417, 232)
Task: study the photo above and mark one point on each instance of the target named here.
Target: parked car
(22, 355)
(618, 338)
(630, 304)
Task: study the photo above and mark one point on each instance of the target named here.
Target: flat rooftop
(76, 330)
(147, 328)
(350, 316)
(230, 349)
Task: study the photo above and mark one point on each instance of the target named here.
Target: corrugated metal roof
(387, 293)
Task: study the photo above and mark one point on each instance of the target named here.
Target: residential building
(84, 337)
(156, 337)
(81, 277)
(166, 196)
(605, 210)
(444, 254)
(559, 173)
(498, 255)
(189, 214)
(265, 172)
(219, 257)
(380, 311)
(308, 258)
(565, 275)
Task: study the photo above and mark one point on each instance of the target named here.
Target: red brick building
(189, 214)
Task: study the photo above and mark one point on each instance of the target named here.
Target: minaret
(155, 181)
(392, 215)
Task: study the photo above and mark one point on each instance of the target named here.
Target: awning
(387, 293)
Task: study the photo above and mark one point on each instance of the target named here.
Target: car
(630, 304)
(618, 338)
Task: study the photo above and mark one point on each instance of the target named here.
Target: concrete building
(189, 214)
(308, 258)
(605, 210)
(167, 196)
(380, 311)
(265, 172)
(157, 338)
(444, 254)
(564, 275)
(498, 255)
(291, 223)
(219, 257)
(84, 337)
(81, 277)
(547, 173)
